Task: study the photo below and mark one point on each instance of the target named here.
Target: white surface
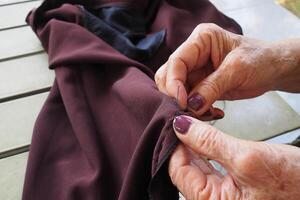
(285, 138)
(229, 5)
(258, 118)
(292, 99)
(25, 74)
(12, 173)
(9, 18)
(17, 42)
(17, 120)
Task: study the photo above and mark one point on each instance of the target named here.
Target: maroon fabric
(105, 131)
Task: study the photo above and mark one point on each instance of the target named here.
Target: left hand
(256, 170)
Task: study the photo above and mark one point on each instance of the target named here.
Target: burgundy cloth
(105, 131)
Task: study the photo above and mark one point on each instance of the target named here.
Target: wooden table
(24, 84)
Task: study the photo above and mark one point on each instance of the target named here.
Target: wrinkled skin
(219, 65)
(256, 170)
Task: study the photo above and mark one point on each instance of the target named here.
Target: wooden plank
(18, 42)
(24, 75)
(22, 112)
(9, 18)
(249, 119)
(12, 174)
(259, 118)
(9, 2)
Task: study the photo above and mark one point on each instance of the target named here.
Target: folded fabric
(105, 131)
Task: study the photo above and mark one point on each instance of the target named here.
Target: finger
(209, 90)
(179, 167)
(203, 164)
(197, 180)
(197, 75)
(204, 44)
(160, 79)
(175, 81)
(207, 140)
(214, 43)
(212, 114)
(191, 179)
(229, 190)
(180, 63)
(192, 54)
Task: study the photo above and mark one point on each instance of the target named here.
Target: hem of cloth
(163, 163)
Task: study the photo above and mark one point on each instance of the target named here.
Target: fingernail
(218, 117)
(195, 102)
(207, 113)
(182, 124)
(219, 114)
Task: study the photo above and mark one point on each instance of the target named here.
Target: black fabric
(296, 142)
(125, 30)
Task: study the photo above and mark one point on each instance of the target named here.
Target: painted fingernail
(182, 124)
(219, 114)
(218, 117)
(207, 113)
(195, 102)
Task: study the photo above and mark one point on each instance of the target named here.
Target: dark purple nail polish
(219, 117)
(207, 113)
(195, 102)
(182, 124)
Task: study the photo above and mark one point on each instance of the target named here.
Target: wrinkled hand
(256, 170)
(214, 64)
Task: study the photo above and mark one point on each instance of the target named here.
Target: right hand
(214, 64)
(255, 170)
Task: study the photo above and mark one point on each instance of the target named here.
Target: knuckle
(246, 162)
(173, 171)
(178, 59)
(157, 77)
(172, 174)
(236, 61)
(174, 58)
(198, 195)
(213, 87)
(206, 137)
(202, 31)
(241, 60)
(207, 26)
(177, 175)
(243, 56)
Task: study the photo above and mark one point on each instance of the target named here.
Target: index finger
(190, 55)
(180, 63)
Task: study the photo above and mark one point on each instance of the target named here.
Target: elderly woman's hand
(216, 64)
(256, 170)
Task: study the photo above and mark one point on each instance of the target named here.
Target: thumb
(208, 90)
(206, 140)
